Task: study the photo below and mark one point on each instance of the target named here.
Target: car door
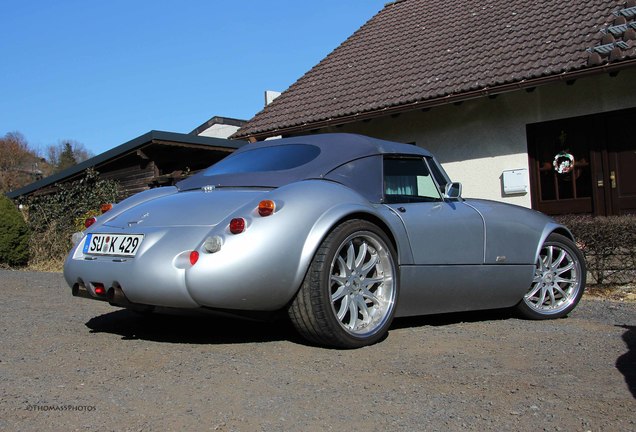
(441, 232)
(446, 239)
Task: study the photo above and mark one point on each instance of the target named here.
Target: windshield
(265, 159)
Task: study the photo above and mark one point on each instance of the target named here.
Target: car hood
(188, 208)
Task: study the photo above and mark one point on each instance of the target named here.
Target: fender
(279, 248)
(552, 227)
(323, 204)
(514, 232)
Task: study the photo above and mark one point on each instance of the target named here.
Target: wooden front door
(584, 165)
(621, 166)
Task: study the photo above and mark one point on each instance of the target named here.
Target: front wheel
(349, 294)
(559, 280)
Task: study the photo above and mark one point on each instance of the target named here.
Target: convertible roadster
(342, 232)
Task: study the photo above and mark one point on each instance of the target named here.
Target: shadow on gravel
(190, 329)
(453, 318)
(626, 364)
(220, 330)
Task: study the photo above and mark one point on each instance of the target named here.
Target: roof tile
(420, 50)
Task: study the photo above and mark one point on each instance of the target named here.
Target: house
(154, 159)
(530, 103)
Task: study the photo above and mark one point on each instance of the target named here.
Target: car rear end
(141, 255)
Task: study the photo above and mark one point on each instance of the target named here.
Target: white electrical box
(515, 181)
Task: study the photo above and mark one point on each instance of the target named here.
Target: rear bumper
(243, 275)
(156, 276)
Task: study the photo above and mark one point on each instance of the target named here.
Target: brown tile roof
(419, 53)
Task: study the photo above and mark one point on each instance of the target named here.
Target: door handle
(613, 179)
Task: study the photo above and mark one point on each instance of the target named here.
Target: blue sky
(105, 72)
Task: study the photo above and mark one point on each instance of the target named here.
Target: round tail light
(194, 257)
(237, 225)
(266, 207)
(90, 221)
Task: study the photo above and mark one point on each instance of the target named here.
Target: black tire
(559, 280)
(364, 288)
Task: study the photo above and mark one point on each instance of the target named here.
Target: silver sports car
(341, 232)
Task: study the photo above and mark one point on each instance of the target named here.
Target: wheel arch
(326, 224)
(564, 232)
(552, 228)
(374, 220)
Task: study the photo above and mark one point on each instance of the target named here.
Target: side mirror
(453, 190)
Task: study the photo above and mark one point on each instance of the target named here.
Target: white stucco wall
(219, 131)
(479, 139)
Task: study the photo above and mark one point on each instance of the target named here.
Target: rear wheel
(559, 280)
(349, 294)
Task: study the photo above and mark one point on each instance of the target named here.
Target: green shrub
(609, 246)
(14, 235)
(78, 224)
(53, 218)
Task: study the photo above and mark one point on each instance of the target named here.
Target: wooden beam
(195, 146)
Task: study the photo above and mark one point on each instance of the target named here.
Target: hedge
(609, 246)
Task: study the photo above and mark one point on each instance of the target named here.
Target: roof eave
(116, 152)
(444, 100)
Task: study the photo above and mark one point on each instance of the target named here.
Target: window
(274, 158)
(437, 174)
(408, 180)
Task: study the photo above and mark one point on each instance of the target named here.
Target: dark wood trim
(194, 146)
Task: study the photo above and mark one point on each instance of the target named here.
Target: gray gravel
(75, 364)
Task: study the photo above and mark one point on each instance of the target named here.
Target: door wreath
(563, 162)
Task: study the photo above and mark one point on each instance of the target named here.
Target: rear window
(276, 158)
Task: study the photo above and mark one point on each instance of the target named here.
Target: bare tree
(19, 164)
(66, 154)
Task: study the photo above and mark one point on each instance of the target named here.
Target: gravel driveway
(74, 364)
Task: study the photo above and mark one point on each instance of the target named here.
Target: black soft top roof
(336, 150)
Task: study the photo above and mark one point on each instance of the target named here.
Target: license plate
(113, 244)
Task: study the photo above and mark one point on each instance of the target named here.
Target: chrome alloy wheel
(362, 284)
(557, 280)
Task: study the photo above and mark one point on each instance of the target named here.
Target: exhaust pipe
(116, 297)
(80, 291)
